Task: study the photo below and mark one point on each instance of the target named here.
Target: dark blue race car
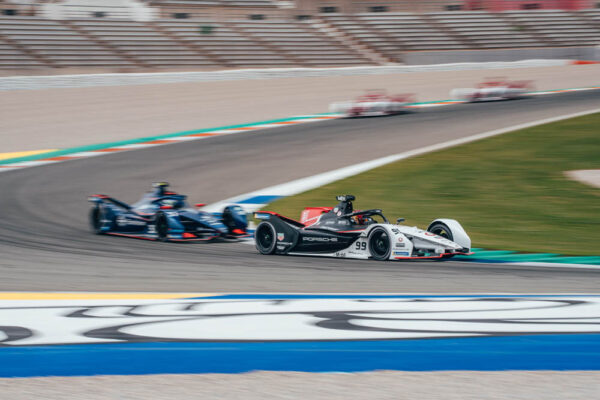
(164, 215)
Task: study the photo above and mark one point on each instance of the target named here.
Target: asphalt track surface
(46, 244)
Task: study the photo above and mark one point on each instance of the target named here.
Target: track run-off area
(46, 243)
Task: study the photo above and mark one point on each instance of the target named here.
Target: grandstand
(135, 35)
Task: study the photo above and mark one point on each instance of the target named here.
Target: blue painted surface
(264, 199)
(535, 352)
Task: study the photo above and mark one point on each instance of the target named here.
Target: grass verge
(509, 191)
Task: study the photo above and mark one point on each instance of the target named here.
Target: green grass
(509, 192)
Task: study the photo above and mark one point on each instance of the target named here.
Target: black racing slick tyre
(96, 216)
(265, 238)
(162, 227)
(441, 229)
(380, 245)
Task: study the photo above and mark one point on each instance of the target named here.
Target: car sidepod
(235, 219)
(284, 236)
(195, 225)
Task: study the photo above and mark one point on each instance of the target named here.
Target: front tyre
(96, 217)
(162, 227)
(380, 245)
(264, 236)
(442, 230)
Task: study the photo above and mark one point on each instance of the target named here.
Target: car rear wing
(264, 215)
(101, 198)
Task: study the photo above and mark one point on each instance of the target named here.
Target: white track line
(312, 182)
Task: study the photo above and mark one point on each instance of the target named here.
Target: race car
(342, 232)
(165, 216)
(493, 89)
(373, 103)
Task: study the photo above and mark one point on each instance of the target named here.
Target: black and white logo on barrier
(110, 321)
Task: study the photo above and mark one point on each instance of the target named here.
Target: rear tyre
(162, 228)
(96, 216)
(264, 236)
(442, 230)
(379, 244)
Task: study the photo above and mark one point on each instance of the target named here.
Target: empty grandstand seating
(14, 58)
(225, 43)
(58, 44)
(560, 28)
(393, 33)
(143, 43)
(302, 42)
(331, 39)
(411, 30)
(593, 16)
(485, 30)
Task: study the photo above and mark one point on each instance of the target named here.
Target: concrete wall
(455, 56)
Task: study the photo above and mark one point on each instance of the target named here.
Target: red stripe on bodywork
(129, 236)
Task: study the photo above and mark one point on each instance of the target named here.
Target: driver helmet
(174, 203)
(362, 220)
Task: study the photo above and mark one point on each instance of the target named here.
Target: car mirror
(400, 220)
(200, 205)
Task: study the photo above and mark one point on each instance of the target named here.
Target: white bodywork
(404, 239)
(488, 93)
(367, 108)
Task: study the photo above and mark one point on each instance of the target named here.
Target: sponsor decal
(280, 236)
(319, 239)
(395, 230)
(401, 239)
(124, 221)
(400, 244)
(361, 246)
(401, 253)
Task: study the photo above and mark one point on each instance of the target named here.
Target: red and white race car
(373, 103)
(494, 89)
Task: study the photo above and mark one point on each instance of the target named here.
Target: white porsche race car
(344, 233)
(372, 104)
(493, 89)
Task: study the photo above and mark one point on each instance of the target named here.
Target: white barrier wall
(116, 79)
(452, 56)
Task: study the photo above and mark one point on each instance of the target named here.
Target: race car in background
(165, 216)
(494, 89)
(366, 234)
(373, 103)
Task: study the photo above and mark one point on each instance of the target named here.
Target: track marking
(315, 181)
(16, 154)
(19, 161)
